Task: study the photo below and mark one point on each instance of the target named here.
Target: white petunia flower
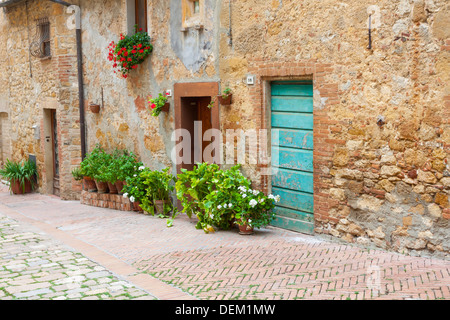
(255, 192)
(219, 207)
(277, 199)
(261, 200)
(271, 196)
(125, 195)
(135, 175)
(253, 203)
(132, 199)
(230, 205)
(141, 168)
(244, 195)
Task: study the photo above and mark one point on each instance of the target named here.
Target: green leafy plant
(226, 93)
(77, 174)
(90, 166)
(126, 165)
(130, 51)
(103, 162)
(221, 205)
(156, 104)
(211, 194)
(159, 186)
(20, 172)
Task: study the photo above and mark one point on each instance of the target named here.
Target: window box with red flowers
(129, 52)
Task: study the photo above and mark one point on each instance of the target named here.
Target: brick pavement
(184, 263)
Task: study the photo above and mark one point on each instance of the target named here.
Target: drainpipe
(77, 12)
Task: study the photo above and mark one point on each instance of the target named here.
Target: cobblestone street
(53, 249)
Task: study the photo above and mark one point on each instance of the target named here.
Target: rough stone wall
(376, 183)
(29, 84)
(382, 183)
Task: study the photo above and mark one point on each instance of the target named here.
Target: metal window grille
(40, 47)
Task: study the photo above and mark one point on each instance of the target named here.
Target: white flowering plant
(135, 188)
(211, 194)
(255, 208)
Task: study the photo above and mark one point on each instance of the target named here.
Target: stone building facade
(381, 104)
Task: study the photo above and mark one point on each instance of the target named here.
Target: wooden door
(292, 142)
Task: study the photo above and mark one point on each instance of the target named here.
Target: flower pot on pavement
(17, 188)
(137, 206)
(159, 206)
(245, 229)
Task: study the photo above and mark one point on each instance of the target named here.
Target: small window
(193, 12)
(141, 14)
(136, 15)
(40, 47)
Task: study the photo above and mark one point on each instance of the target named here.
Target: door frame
(192, 90)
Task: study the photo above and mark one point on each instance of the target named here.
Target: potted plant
(211, 194)
(255, 210)
(136, 190)
(20, 175)
(110, 172)
(159, 104)
(159, 187)
(90, 168)
(95, 108)
(225, 97)
(77, 174)
(102, 176)
(129, 52)
(127, 164)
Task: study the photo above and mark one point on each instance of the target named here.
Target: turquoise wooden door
(292, 155)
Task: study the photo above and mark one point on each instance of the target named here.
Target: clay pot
(119, 186)
(95, 108)
(112, 188)
(166, 107)
(102, 187)
(137, 206)
(16, 188)
(245, 229)
(89, 184)
(225, 101)
(159, 206)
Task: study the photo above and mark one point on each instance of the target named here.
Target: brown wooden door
(56, 182)
(197, 120)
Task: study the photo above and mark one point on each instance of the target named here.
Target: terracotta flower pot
(89, 184)
(102, 187)
(225, 101)
(112, 188)
(95, 108)
(245, 229)
(137, 206)
(166, 107)
(16, 188)
(119, 186)
(159, 206)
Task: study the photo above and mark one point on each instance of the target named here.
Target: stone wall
(381, 115)
(29, 85)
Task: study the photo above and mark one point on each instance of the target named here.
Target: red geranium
(124, 53)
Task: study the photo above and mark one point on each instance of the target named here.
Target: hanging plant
(158, 104)
(129, 52)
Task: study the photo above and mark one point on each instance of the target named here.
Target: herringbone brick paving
(272, 264)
